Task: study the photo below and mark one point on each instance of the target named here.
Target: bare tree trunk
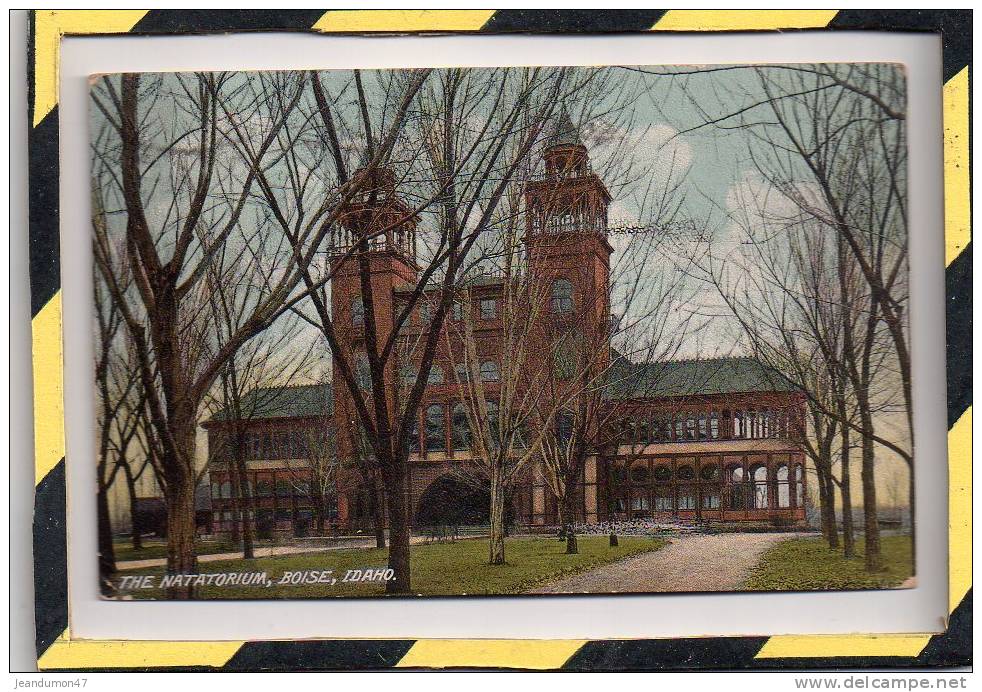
(569, 519)
(236, 479)
(496, 548)
(107, 552)
(845, 486)
(181, 557)
(398, 496)
(136, 540)
(378, 511)
(871, 526)
(826, 496)
(248, 505)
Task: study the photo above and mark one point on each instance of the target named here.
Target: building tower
(385, 227)
(566, 233)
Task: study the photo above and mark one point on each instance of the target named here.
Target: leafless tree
(177, 166)
(830, 140)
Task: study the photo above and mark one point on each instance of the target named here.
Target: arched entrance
(449, 501)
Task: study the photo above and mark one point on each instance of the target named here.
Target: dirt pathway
(696, 562)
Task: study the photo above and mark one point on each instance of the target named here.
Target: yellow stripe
(959, 509)
(743, 20)
(65, 653)
(820, 646)
(490, 653)
(403, 20)
(49, 408)
(957, 197)
(49, 27)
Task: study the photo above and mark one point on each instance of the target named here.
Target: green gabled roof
(628, 380)
(300, 401)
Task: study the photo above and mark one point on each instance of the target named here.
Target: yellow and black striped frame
(57, 649)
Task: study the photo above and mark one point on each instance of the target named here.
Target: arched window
(562, 296)
(489, 371)
(435, 435)
(264, 488)
(226, 490)
(663, 474)
(737, 490)
(412, 438)
(460, 429)
(709, 473)
(640, 474)
(461, 373)
(564, 427)
(407, 374)
(363, 372)
(216, 490)
(799, 485)
(760, 487)
(783, 490)
(685, 473)
(436, 375)
(357, 311)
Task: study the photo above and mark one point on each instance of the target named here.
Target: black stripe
(955, 27)
(366, 654)
(50, 559)
(42, 165)
(666, 654)
(30, 67)
(954, 647)
(958, 334)
(572, 21)
(217, 21)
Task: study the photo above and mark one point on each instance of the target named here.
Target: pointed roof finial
(564, 133)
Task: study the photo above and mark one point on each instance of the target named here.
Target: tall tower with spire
(566, 232)
(378, 226)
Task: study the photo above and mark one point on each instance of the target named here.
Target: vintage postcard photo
(501, 331)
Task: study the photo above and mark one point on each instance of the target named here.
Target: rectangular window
(663, 500)
(435, 430)
(703, 427)
(714, 425)
(710, 500)
(457, 312)
(687, 498)
(679, 430)
(690, 427)
(489, 308)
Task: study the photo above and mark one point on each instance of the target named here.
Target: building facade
(700, 440)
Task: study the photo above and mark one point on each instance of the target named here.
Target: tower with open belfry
(690, 440)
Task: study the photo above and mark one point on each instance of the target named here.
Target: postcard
(502, 331)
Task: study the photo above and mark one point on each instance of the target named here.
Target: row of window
(561, 299)
(709, 425)
(434, 438)
(286, 444)
(264, 488)
(741, 491)
(489, 372)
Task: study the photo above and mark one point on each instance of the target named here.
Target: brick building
(711, 439)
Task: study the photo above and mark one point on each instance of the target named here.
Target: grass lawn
(808, 564)
(438, 569)
(153, 549)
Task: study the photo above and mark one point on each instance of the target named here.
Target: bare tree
(830, 139)
(177, 165)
